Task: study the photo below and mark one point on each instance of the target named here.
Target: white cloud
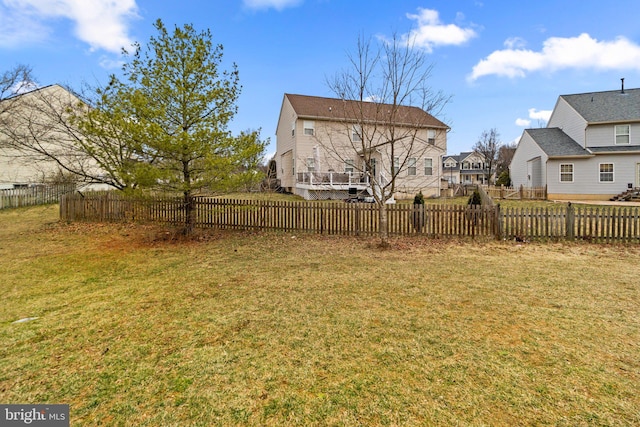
(268, 4)
(561, 53)
(542, 117)
(540, 114)
(515, 43)
(102, 24)
(431, 32)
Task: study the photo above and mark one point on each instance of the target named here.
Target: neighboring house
(465, 168)
(317, 158)
(590, 148)
(33, 118)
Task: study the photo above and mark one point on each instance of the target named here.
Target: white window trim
(309, 128)
(613, 175)
(349, 166)
(311, 164)
(412, 166)
(356, 133)
(431, 136)
(616, 134)
(573, 171)
(430, 167)
(396, 166)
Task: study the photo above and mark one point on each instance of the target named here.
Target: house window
(311, 164)
(356, 133)
(396, 166)
(606, 172)
(428, 167)
(293, 128)
(566, 172)
(622, 134)
(349, 166)
(411, 169)
(431, 136)
(309, 128)
(466, 165)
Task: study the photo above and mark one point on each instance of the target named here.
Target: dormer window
(622, 134)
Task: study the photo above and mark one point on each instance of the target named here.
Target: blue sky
(503, 63)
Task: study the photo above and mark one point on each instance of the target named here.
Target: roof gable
(555, 143)
(610, 106)
(313, 107)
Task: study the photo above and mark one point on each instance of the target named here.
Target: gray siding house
(590, 148)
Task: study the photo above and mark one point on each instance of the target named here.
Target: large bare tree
(389, 106)
(15, 81)
(488, 146)
(42, 129)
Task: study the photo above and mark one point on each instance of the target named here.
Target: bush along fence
(602, 224)
(34, 195)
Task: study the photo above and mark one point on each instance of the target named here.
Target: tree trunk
(189, 213)
(384, 225)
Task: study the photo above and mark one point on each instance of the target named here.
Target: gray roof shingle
(610, 106)
(555, 143)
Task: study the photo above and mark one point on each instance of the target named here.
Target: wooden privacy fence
(602, 224)
(34, 195)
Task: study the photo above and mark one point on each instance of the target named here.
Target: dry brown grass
(138, 327)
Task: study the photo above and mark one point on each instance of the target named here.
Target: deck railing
(332, 178)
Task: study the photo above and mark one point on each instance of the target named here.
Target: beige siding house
(23, 115)
(330, 148)
(36, 119)
(590, 148)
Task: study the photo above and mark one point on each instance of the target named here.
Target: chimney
(622, 80)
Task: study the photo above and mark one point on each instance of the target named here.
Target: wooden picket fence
(516, 193)
(606, 224)
(359, 219)
(34, 195)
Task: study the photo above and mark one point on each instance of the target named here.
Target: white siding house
(590, 148)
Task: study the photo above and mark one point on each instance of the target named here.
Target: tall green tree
(173, 107)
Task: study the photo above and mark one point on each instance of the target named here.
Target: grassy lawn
(135, 328)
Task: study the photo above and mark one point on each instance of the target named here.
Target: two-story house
(590, 148)
(464, 168)
(329, 148)
(38, 142)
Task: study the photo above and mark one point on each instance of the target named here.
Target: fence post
(570, 219)
(497, 222)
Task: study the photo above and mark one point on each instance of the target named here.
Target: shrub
(504, 179)
(475, 198)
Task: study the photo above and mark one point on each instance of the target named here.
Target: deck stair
(631, 195)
